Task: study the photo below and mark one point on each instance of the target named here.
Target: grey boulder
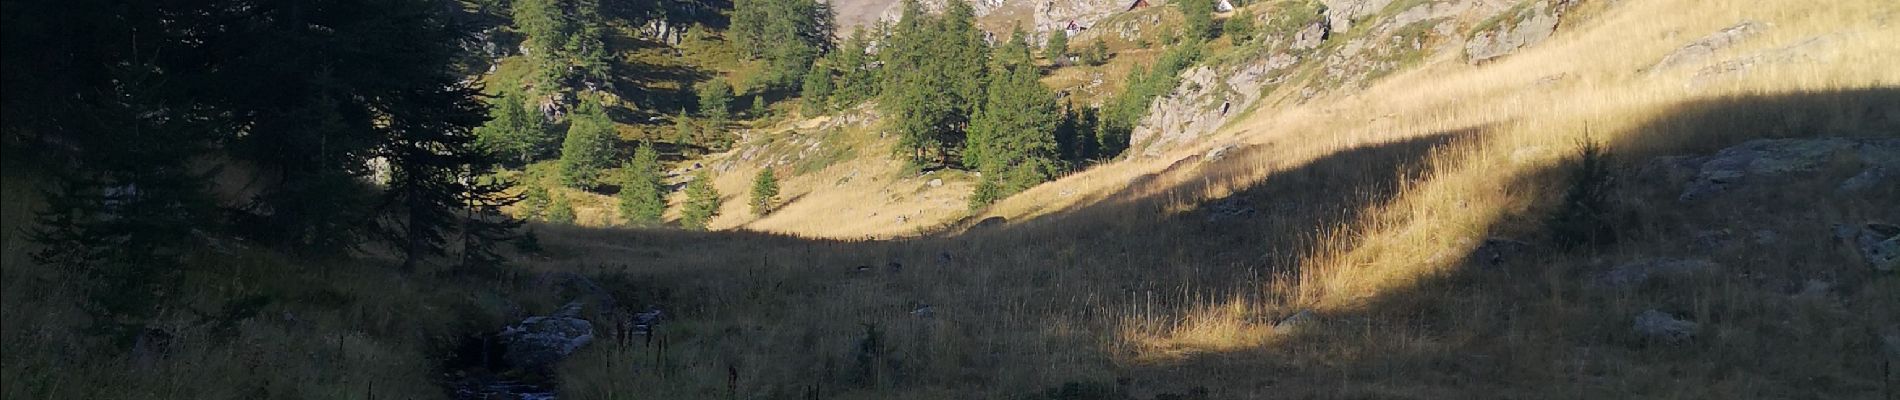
(541, 341)
(1660, 326)
(1767, 159)
(1636, 273)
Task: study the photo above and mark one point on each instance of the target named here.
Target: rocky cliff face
(1045, 15)
(1055, 15)
(1206, 99)
(1348, 44)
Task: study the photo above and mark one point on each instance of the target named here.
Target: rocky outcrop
(1311, 36)
(663, 31)
(1636, 273)
(1527, 27)
(1340, 14)
(1878, 244)
(1297, 322)
(1495, 252)
(1231, 208)
(1769, 160)
(1660, 326)
(1799, 52)
(1204, 100)
(538, 342)
(1701, 50)
(1055, 15)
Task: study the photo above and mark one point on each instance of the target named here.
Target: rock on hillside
(1385, 39)
(1767, 160)
(1341, 13)
(1509, 32)
(1046, 15)
(1701, 50)
(1206, 98)
(1055, 15)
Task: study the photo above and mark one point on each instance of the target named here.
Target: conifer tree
(150, 91)
(764, 193)
(965, 60)
(1014, 52)
(586, 46)
(715, 99)
(787, 34)
(943, 63)
(121, 216)
(758, 109)
(857, 80)
(545, 25)
(1097, 53)
(560, 211)
(702, 202)
(433, 162)
(1240, 27)
(484, 226)
(683, 131)
(1057, 48)
(642, 196)
(1068, 136)
(535, 202)
(514, 133)
(1012, 137)
(1198, 19)
(588, 148)
(817, 90)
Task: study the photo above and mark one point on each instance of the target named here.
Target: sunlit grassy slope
(1369, 206)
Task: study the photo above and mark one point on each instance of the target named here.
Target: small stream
(477, 371)
(518, 362)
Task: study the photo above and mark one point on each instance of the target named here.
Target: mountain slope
(1400, 237)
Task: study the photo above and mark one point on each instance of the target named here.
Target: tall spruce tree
(561, 211)
(122, 208)
(857, 80)
(702, 202)
(484, 225)
(1240, 27)
(787, 34)
(817, 90)
(514, 133)
(684, 132)
(1014, 52)
(589, 145)
(1057, 48)
(368, 86)
(943, 63)
(1097, 53)
(642, 195)
(715, 99)
(1197, 19)
(545, 24)
(586, 47)
(764, 192)
(1012, 138)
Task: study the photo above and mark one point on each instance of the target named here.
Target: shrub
(1582, 219)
